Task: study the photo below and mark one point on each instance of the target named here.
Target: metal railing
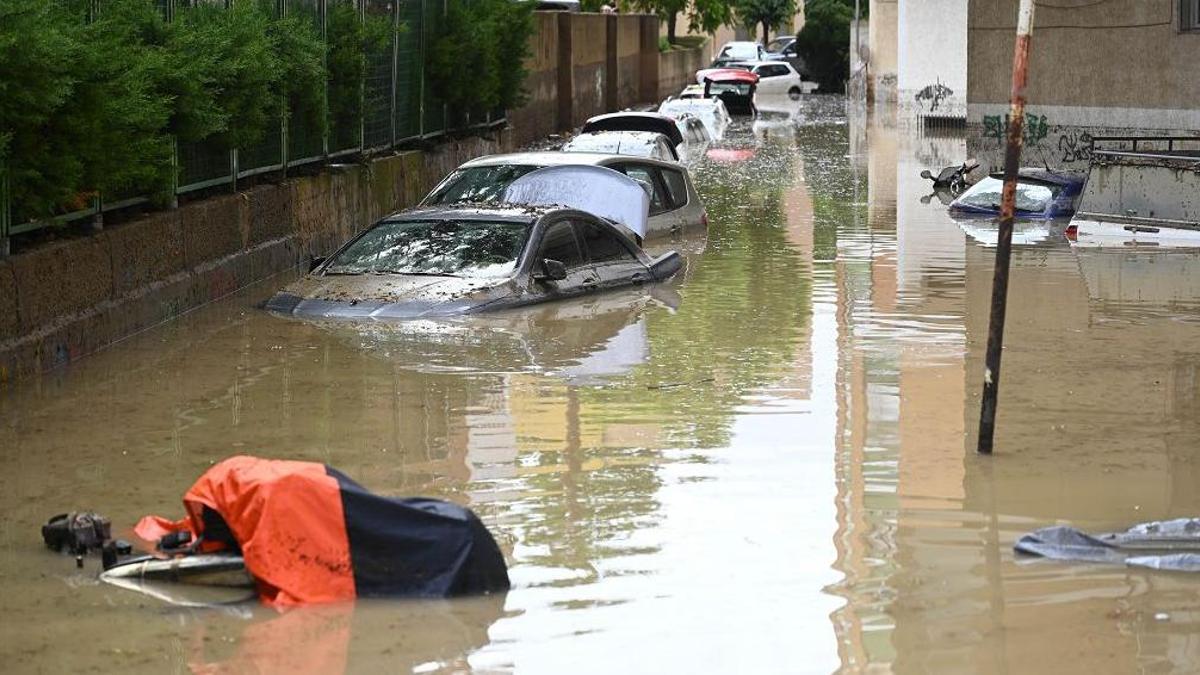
(398, 107)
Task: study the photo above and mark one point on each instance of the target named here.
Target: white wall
(931, 50)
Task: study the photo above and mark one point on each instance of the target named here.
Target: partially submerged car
(1041, 193)
(734, 87)
(458, 259)
(633, 143)
(675, 206)
(710, 111)
(635, 121)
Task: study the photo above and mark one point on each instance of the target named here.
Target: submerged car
(710, 111)
(1041, 193)
(633, 143)
(675, 206)
(774, 77)
(636, 121)
(459, 259)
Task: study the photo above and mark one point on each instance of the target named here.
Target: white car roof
(634, 143)
(555, 158)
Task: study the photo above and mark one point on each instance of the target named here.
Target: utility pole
(1012, 162)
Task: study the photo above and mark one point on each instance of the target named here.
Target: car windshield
(739, 52)
(477, 184)
(778, 44)
(464, 248)
(1031, 197)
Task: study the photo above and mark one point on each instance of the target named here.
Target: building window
(1189, 15)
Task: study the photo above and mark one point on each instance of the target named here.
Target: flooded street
(766, 465)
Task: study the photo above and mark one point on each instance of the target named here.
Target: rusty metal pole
(1012, 162)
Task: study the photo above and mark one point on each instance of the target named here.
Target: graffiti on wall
(1036, 128)
(1075, 146)
(934, 94)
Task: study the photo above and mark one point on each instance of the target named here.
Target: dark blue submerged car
(1041, 193)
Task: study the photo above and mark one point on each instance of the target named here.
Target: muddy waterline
(764, 466)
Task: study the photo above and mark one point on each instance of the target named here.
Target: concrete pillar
(566, 73)
(610, 62)
(648, 48)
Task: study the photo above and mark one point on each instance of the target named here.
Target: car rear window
(676, 185)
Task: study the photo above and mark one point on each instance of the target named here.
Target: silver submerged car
(448, 260)
(674, 205)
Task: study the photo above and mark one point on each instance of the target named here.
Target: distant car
(710, 111)
(774, 77)
(744, 50)
(633, 143)
(1041, 193)
(449, 260)
(786, 48)
(674, 204)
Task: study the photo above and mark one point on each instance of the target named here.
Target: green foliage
(824, 42)
(765, 13)
(666, 10)
(707, 16)
(351, 38)
(223, 73)
(477, 62)
(91, 93)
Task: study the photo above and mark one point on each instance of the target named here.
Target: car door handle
(589, 281)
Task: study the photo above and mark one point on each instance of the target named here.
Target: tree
(667, 10)
(767, 13)
(706, 16)
(824, 42)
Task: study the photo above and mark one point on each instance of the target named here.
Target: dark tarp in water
(310, 534)
(1163, 545)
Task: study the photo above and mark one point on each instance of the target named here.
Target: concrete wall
(1117, 64)
(931, 58)
(62, 301)
(677, 69)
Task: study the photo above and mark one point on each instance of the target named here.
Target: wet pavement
(765, 466)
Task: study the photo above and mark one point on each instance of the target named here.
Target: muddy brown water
(765, 466)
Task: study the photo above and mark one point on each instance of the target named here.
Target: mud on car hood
(387, 295)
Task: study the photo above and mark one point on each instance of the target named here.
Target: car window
(676, 185)
(559, 244)
(468, 248)
(604, 246)
(477, 184)
(772, 71)
(659, 202)
(1031, 197)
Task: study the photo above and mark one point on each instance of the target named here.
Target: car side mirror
(551, 270)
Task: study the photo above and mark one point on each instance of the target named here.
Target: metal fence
(398, 107)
